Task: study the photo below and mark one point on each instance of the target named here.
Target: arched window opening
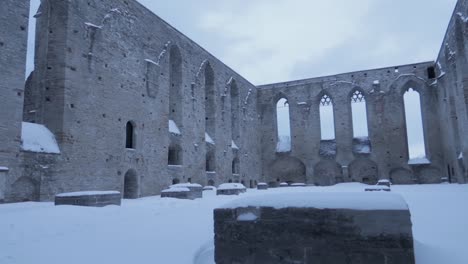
(283, 126)
(175, 181)
(176, 96)
(210, 162)
(230, 181)
(174, 156)
(130, 136)
(327, 118)
(235, 127)
(359, 113)
(210, 102)
(414, 125)
(235, 166)
(130, 185)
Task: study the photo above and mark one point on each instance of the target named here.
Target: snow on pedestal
(231, 189)
(37, 138)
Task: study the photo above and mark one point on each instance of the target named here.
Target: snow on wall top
(173, 128)
(4, 168)
(361, 201)
(186, 185)
(231, 186)
(38, 138)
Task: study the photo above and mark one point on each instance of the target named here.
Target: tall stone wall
(101, 65)
(383, 90)
(452, 87)
(13, 41)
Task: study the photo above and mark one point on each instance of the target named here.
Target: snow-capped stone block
(189, 191)
(366, 228)
(262, 186)
(231, 189)
(89, 198)
(38, 138)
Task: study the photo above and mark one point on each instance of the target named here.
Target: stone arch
(326, 116)
(429, 175)
(287, 169)
(282, 113)
(327, 173)
(363, 170)
(131, 185)
(25, 189)
(404, 82)
(358, 98)
(401, 176)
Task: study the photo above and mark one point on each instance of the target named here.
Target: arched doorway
(130, 189)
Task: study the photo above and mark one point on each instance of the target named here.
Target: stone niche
(364, 228)
(90, 199)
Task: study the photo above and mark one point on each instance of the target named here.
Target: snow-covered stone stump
(231, 189)
(195, 189)
(180, 193)
(338, 228)
(262, 186)
(90, 199)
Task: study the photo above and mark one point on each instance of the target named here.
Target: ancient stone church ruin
(123, 101)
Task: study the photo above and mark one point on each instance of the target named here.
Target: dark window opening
(175, 181)
(210, 162)
(130, 144)
(431, 73)
(230, 181)
(235, 166)
(174, 156)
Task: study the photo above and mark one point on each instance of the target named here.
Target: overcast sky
(270, 41)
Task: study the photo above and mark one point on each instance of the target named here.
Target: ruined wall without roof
(13, 41)
(383, 90)
(453, 94)
(102, 64)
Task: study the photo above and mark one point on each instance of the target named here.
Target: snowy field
(169, 231)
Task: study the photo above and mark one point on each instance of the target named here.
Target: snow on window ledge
(284, 144)
(419, 161)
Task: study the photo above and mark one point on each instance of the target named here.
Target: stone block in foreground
(90, 199)
(338, 228)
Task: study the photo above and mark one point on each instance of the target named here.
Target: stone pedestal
(90, 199)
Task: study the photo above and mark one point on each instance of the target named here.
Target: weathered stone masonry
(110, 75)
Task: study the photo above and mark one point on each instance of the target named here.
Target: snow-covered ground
(155, 230)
